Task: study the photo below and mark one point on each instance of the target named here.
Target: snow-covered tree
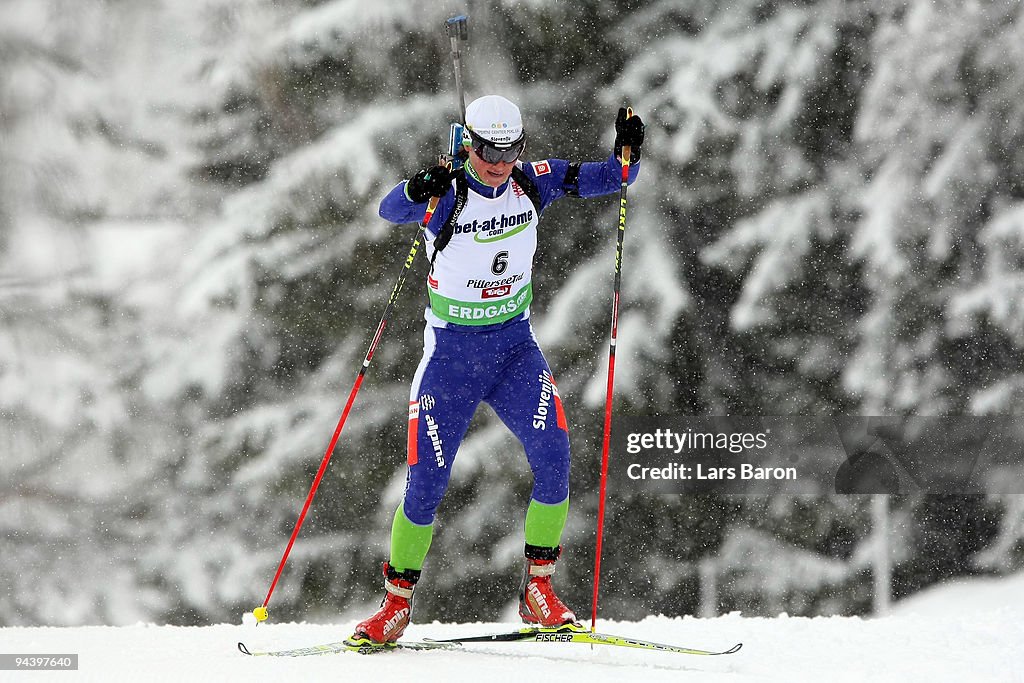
(92, 187)
(192, 266)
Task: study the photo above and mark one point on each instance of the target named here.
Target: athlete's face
(492, 174)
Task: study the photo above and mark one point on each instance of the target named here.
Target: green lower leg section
(544, 523)
(409, 542)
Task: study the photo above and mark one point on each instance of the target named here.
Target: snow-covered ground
(965, 631)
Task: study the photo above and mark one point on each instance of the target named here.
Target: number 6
(500, 263)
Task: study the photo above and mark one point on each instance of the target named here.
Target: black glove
(430, 182)
(628, 133)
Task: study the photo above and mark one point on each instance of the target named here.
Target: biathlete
(478, 344)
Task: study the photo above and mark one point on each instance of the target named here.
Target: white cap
(495, 119)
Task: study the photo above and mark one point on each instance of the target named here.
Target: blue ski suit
(478, 341)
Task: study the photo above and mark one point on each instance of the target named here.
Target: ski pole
(261, 613)
(456, 28)
(611, 375)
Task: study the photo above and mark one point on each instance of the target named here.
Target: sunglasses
(491, 154)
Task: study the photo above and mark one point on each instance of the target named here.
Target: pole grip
(626, 149)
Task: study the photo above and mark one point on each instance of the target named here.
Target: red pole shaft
(611, 383)
(352, 396)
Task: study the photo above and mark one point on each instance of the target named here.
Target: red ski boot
(538, 604)
(388, 624)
